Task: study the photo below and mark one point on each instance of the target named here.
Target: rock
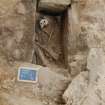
(75, 1)
(6, 7)
(71, 31)
(89, 88)
(90, 98)
(93, 21)
(96, 67)
(50, 85)
(53, 5)
(96, 64)
(21, 9)
(16, 31)
(78, 64)
(77, 89)
(95, 93)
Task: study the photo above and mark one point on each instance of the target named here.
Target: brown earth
(66, 44)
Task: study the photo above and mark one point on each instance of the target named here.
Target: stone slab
(56, 6)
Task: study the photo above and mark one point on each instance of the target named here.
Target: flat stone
(56, 6)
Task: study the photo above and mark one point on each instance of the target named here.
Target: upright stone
(71, 32)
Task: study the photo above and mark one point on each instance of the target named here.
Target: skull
(43, 23)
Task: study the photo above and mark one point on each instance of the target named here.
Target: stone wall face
(75, 46)
(92, 20)
(91, 90)
(16, 30)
